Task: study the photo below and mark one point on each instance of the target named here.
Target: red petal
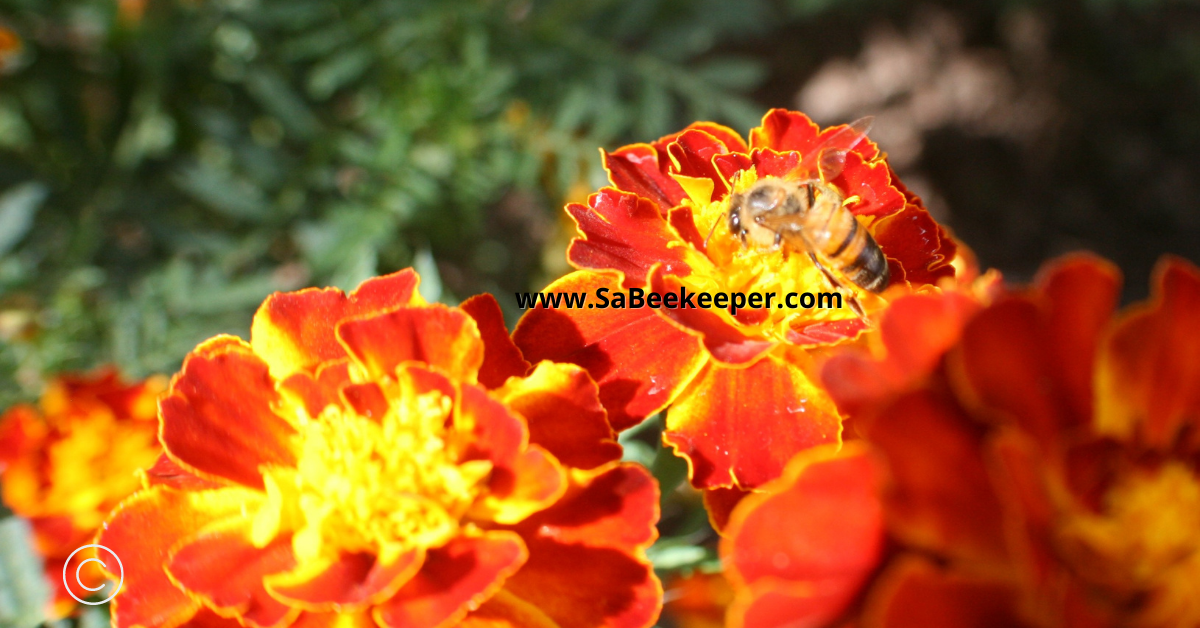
(226, 571)
(917, 593)
(293, 331)
(501, 358)
(740, 426)
(352, 582)
(720, 502)
(581, 587)
(642, 170)
(639, 360)
(356, 619)
(142, 531)
(625, 233)
(1149, 370)
(218, 418)
(918, 249)
(436, 335)
(166, 472)
(724, 341)
(316, 392)
(804, 548)
(826, 332)
(534, 481)
(492, 431)
(205, 618)
(561, 405)
(455, 578)
(21, 430)
(368, 400)
(871, 183)
(731, 139)
(784, 130)
(684, 223)
(615, 508)
(922, 434)
(692, 155)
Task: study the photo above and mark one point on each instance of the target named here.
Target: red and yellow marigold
(372, 460)
(741, 388)
(67, 462)
(1029, 462)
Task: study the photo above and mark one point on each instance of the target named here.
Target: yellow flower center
(1147, 542)
(752, 267)
(384, 484)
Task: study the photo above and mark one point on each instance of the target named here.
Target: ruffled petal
(724, 341)
(315, 391)
(919, 250)
(623, 232)
(218, 419)
(802, 549)
(643, 170)
(692, 155)
(225, 570)
(535, 480)
(784, 130)
(455, 579)
(142, 532)
(561, 405)
(436, 335)
(869, 184)
(917, 593)
(501, 358)
(353, 581)
(1148, 378)
(740, 426)
(294, 331)
(639, 360)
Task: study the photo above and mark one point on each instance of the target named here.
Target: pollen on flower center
(384, 484)
(1147, 535)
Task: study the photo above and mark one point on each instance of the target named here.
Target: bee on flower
(65, 463)
(796, 209)
(374, 460)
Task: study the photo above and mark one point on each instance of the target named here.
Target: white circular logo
(79, 581)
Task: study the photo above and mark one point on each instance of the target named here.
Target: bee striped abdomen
(854, 253)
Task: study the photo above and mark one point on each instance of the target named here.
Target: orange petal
(356, 619)
(205, 618)
(625, 233)
(505, 610)
(615, 508)
(919, 250)
(142, 531)
(764, 161)
(491, 431)
(916, 330)
(802, 549)
(741, 426)
(639, 360)
(826, 332)
(353, 581)
(218, 419)
(643, 170)
(784, 130)
(922, 434)
(561, 405)
(731, 139)
(224, 569)
(367, 400)
(501, 358)
(1148, 377)
(315, 392)
(724, 341)
(720, 502)
(698, 600)
(166, 472)
(294, 331)
(917, 593)
(578, 586)
(20, 431)
(455, 579)
(533, 481)
(436, 335)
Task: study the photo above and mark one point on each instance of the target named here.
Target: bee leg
(851, 299)
(714, 229)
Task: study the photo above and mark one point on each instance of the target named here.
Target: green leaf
(24, 592)
(17, 208)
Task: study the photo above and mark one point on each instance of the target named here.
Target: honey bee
(801, 212)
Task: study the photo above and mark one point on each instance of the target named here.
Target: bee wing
(836, 145)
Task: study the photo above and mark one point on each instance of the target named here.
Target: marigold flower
(372, 460)
(743, 386)
(66, 463)
(1031, 462)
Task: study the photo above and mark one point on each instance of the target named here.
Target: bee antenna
(713, 230)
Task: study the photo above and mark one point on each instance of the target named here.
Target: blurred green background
(166, 164)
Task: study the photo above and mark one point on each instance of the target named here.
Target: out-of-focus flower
(11, 48)
(697, 600)
(1031, 462)
(372, 460)
(742, 386)
(65, 464)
